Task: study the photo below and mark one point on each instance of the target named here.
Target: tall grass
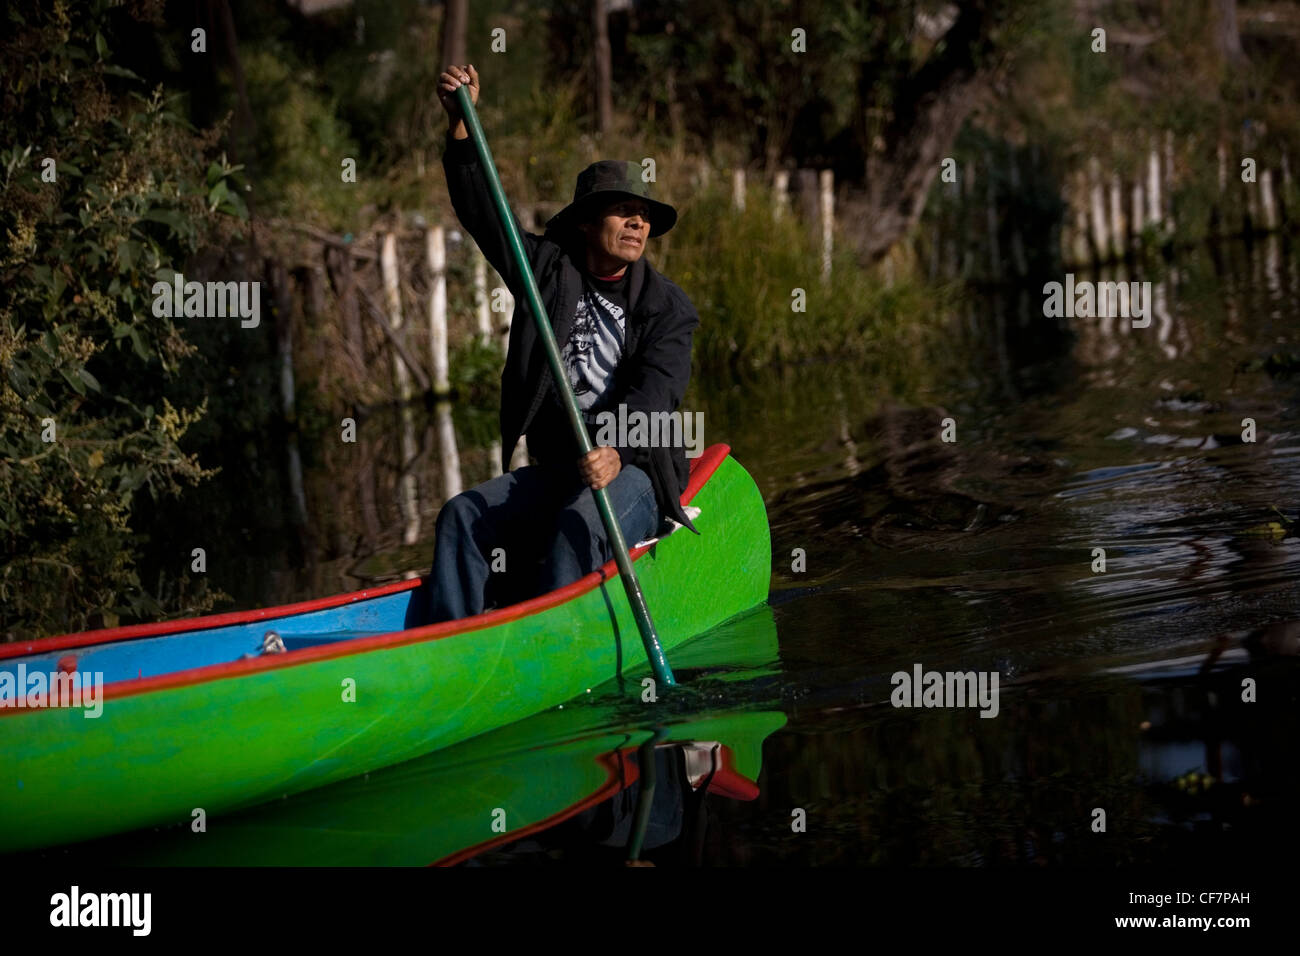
(742, 270)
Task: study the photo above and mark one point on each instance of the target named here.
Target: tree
(453, 32)
(907, 123)
(1226, 32)
(604, 69)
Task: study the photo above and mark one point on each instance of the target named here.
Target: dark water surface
(1120, 691)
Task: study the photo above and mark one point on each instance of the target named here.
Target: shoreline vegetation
(130, 155)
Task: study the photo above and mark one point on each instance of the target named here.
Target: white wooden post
(1138, 209)
(435, 244)
(1164, 321)
(1097, 206)
(1273, 267)
(408, 500)
(781, 193)
(1118, 246)
(1080, 204)
(481, 304)
(1169, 181)
(738, 189)
(1154, 212)
(393, 306)
(451, 480)
(1266, 199)
(408, 494)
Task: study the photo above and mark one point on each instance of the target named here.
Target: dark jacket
(661, 322)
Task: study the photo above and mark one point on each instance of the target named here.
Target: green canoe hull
(237, 739)
(455, 803)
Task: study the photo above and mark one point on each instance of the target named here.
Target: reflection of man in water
(677, 811)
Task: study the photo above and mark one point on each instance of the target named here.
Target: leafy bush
(104, 192)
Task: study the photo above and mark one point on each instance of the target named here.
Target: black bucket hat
(605, 182)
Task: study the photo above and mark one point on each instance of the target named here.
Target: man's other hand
(599, 467)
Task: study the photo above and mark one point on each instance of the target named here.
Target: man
(624, 334)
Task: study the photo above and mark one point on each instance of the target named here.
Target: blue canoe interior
(191, 648)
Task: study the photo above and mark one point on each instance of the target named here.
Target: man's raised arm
(468, 187)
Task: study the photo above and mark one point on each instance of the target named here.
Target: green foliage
(86, 431)
(301, 143)
(727, 80)
(475, 370)
(741, 269)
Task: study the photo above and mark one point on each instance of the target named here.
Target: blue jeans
(534, 514)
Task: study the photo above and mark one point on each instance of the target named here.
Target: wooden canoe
(193, 717)
(494, 789)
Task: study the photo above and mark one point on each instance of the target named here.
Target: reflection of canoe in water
(195, 717)
(499, 787)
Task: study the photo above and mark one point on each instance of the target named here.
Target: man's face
(620, 230)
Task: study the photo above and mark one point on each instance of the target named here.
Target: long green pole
(658, 663)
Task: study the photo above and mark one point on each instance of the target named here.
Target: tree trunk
(604, 69)
(675, 124)
(245, 124)
(1229, 37)
(455, 14)
(926, 116)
